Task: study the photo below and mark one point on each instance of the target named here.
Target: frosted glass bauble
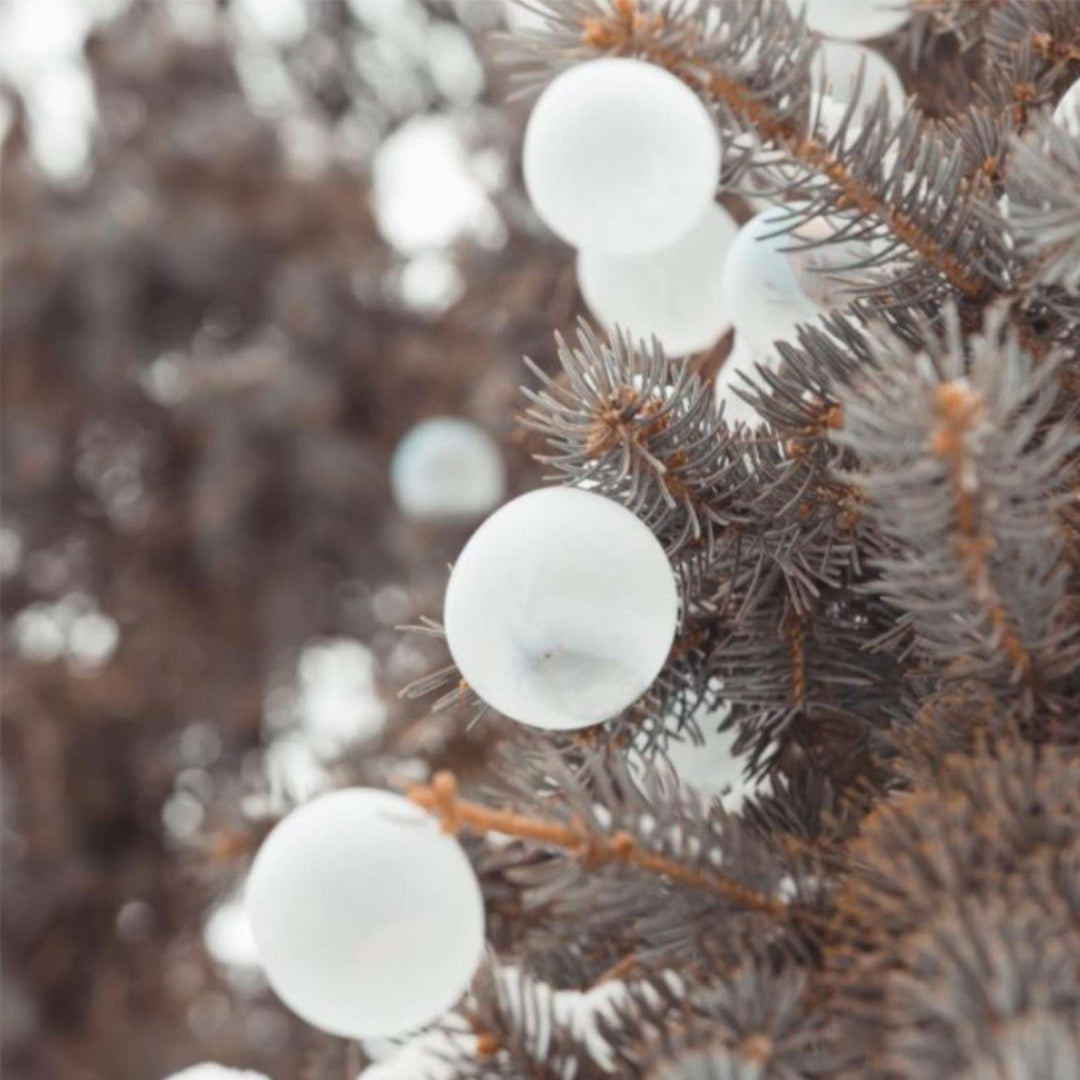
(561, 609)
(446, 467)
(675, 294)
(854, 20)
(368, 918)
(762, 287)
(838, 62)
(1067, 113)
(620, 156)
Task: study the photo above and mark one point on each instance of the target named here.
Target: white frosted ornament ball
(561, 609)
(368, 918)
(620, 157)
(854, 20)
(446, 467)
(675, 294)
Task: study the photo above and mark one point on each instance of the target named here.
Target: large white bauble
(561, 609)
(1067, 113)
(854, 20)
(620, 156)
(368, 918)
(675, 294)
(838, 62)
(446, 467)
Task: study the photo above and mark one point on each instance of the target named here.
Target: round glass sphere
(446, 467)
(1067, 113)
(675, 294)
(853, 20)
(368, 918)
(620, 157)
(561, 609)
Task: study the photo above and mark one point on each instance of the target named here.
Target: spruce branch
(964, 468)
(956, 925)
(1044, 199)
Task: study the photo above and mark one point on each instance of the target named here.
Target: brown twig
(440, 797)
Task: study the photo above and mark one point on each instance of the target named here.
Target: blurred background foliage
(246, 245)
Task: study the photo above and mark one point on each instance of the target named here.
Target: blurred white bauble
(561, 609)
(368, 918)
(620, 156)
(675, 294)
(854, 20)
(1067, 113)
(446, 467)
(838, 62)
(209, 1070)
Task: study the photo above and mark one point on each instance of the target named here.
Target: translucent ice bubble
(368, 918)
(854, 20)
(446, 467)
(561, 609)
(675, 294)
(620, 156)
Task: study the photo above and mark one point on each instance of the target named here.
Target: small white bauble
(1067, 113)
(368, 918)
(854, 20)
(620, 156)
(561, 609)
(446, 467)
(838, 62)
(675, 294)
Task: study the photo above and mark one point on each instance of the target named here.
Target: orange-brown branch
(594, 849)
(960, 409)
